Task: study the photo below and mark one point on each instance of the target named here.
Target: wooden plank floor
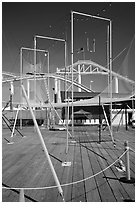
(24, 165)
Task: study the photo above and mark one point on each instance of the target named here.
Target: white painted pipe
(21, 195)
(72, 59)
(116, 84)
(79, 78)
(15, 123)
(43, 145)
(67, 128)
(108, 123)
(127, 161)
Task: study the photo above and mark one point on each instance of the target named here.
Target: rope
(72, 183)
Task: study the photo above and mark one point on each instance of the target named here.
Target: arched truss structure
(89, 67)
(81, 67)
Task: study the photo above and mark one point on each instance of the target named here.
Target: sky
(21, 21)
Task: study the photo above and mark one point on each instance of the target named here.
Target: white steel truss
(90, 67)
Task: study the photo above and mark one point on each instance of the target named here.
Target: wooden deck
(24, 165)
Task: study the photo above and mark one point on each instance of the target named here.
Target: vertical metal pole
(48, 109)
(13, 130)
(72, 72)
(94, 45)
(35, 85)
(35, 61)
(126, 117)
(65, 85)
(11, 95)
(111, 127)
(67, 126)
(66, 95)
(43, 145)
(99, 122)
(48, 70)
(79, 77)
(11, 105)
(127, 161)
(21, 70)
(108, 58)
(65, 55)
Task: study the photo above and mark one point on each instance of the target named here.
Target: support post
(11, 105)
(127, 179)
(72, 55)
(13, 130)
(127, 160)
(21, 196)
(66, 116)
(59, 91)
(15, 122)
(48, 70)
(56, 89)
(108, 125)
(21, 72)
(43, 145)
(35, 64)
(65, 77)
(126, 123)
(48, 119)
(11, 95)
(110, 58)
(99, 122)
(79, 78)
(116, 84)
(67, 127)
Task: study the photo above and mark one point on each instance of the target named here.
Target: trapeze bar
(91, 16)
(31, 49)
(50, 38)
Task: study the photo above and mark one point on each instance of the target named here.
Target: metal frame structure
(47, 38)
(90, 67)
(93, 68)
(21, 73)
(110, 57)
(65, 56)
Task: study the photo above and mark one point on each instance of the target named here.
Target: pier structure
(83, 149)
